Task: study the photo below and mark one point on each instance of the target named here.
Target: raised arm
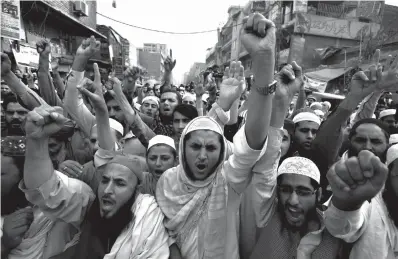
(105, 138)
(28, 97)
(250, 141)
(55, 194)
(169, 64)
(46, 88)
(58, 82)
(72, 103)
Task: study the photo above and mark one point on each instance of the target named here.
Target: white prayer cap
(319, 113)
(161, 139)
(393, 139)
(326, 103)
(387, 112)
(114, 124)
(392, 154)
(373, 116)
(316, 106)
(205, 97)
(307, 116)
(153, 98)
(300, 165)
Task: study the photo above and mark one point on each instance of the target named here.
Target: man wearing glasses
(289, 225)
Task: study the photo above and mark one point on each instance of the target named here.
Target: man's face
(15, 113)
(285, 143)
(150, 92)
(159, 159)
(168, 102)
(297, 197)
(157, 91)
(389, 120)
(310, 101)
(10, 175)
(202, 152)
(150, 108)
(189, 99)
(54, 147)
(305, 133)
(116, 188)
(369, 137)
(179, 123)
(115, 112)
(182, 92)
(5, 89)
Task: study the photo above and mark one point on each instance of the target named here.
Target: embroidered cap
(13, 146)
(392, 154)
(114, 124)
(301, 166)
(152, 98)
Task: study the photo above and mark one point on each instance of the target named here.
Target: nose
(202, 154)
(293, 199)
(368, 146)
(15, 115)
(181, 125)
(109, 188)
(310, 135)
(158, 162)
(111, 112)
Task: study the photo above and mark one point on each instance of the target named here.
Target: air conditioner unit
(80, 8)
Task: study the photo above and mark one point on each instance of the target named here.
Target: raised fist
(258, 34)
(132, 74)
(357, 179)
(289, 81)
(88, 48)
(43, 47)
(44, 121)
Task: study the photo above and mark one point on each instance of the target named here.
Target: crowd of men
(94, 168)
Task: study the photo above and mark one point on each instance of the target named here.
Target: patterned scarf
(195, 205)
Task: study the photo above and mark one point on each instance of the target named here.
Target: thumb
(380, 172)
(85, 92)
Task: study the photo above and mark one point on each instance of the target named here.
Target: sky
(170, 15)
(176, 16)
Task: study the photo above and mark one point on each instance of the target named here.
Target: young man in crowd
(14, 115)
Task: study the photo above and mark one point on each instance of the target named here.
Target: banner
(10, 19)
(27, 56)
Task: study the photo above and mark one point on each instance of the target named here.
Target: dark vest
(275, 241)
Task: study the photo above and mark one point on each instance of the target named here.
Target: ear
(319, 194)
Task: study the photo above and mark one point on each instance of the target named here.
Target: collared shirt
(370, 229)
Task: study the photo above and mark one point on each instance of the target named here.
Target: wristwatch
(267, 90)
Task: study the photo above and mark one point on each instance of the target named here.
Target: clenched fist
(356, 180)
(43, 47)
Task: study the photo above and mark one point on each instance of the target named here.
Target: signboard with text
(336, 28)
(10, 19)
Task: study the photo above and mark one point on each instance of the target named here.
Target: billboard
(10, 19)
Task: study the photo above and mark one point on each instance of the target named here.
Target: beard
(13, 201)
(14, 128)
(390, 199)
(110, 229)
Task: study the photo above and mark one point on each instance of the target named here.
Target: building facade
(63, 23)
(151, 57)
(195, 72)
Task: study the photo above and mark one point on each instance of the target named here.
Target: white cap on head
(301, 166)
(326, 103)
(392, 154)
(114, 124)
(153, 98)
(161, 139)
(393, 139)
(319, 113)
(387, 112)
(307, 116)
(205, 97)
(316, 106)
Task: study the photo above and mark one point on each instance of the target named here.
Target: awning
(327, 74)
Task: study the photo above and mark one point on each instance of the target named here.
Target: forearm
(367, 107)
(166, 81)
(259, 106)
(199, 105)
(300, 100)
(104, 129)
(233, 114)
(46, 88)
(59, 84)
(21, 90)
(38, 167)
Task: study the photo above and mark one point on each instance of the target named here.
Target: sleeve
(75, 106)
(264, 179)
(61, 198)
(217, 113)
(347, 225)
(237, 169)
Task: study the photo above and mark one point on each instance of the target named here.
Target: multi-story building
(194, 72)
(156, 47)
(115, 50)
(153, 62)
(64, 23)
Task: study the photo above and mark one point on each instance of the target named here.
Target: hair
(108, 97)
(173, 151)
(187, 110)
(179, 98)
(376, 122)
(9, 98)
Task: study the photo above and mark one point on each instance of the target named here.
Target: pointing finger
(97, 75)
